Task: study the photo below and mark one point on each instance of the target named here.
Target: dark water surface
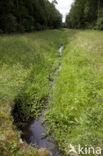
(35, 132)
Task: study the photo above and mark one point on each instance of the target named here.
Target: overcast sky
(63, 6)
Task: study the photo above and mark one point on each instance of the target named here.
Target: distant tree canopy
(85, 14)
(28, 15)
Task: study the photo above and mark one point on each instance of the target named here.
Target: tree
(84, 13)
(54, 2)
(28, 15)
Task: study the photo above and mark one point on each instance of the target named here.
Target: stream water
(35, 132)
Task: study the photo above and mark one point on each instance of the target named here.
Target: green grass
(27, 63)
(76, 114)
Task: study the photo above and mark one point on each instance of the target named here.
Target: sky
(64, 7)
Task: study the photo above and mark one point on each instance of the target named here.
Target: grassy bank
(76, 115)
(27, 64)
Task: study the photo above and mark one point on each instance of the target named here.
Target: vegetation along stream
(43, 107)
(69, 113)
(35, 132)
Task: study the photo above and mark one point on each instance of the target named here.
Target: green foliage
(26, 16)
(38, 26)
(1, 32)
(75, 115)
(75, 18)
(9, 23)
(27, 63)
(99, 24)
(84, 13)
(28, 24)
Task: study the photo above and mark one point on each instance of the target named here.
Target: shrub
(1, 31)
(20, 28)
(38, 26)
(10, 24)
(99, 24)
(28, 23)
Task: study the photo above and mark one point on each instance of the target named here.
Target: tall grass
(76, 114)
(27, 63)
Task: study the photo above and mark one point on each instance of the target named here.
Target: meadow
(27, 64)
(76, 114)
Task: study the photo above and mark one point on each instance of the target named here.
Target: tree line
(28, 15)
(85, 14)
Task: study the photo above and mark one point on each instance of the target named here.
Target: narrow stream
(35, 132)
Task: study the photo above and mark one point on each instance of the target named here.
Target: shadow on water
(35, 132)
